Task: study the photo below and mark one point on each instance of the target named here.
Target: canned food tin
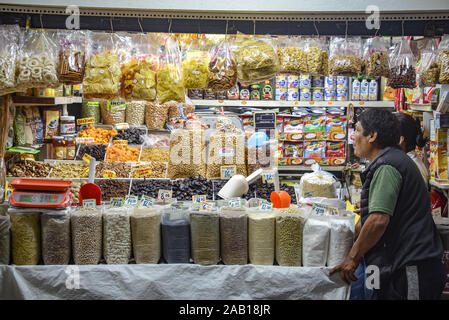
(317, 94)
(330, 95)
(305, 94)
(330, 83)
(293, 82)
(305, 81)
(281, 81)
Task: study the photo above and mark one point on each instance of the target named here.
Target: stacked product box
(281, 87)
(342, 85)
(330, 88)
(317, 88)
(438, 152)
(305, 87)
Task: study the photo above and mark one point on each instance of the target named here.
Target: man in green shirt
(395, 234)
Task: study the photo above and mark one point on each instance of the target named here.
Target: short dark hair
(411, 131)
(383, 122)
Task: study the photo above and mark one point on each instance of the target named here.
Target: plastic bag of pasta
(402, 73)
(222, 67)
(429, 70)
(9, 45)
(345, 56)
(195, 64)
(375, 57)
(72, 56)
(138, 80)
(317, 56)
(37, 61)
(443, 59)
(256, 59)
(169, 77)
(291, 54)
(102, 72)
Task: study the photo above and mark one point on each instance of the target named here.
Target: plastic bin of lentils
(149, 187)
(113, 188)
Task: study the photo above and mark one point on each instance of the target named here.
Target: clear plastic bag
(146, 235)
(291, 54)
(345, 56)
(289, 228)
(195, 64)
(402, 73)
(135, 112)
(87, 235)
(25, 236)
(318, 183)
(138, 72)
(91, 109)
(317, 55)
(113, 111)
(174, 109)
(175, 228)
(72, 56)
(234, 235)
(205, 234)
(56, 245)
(169, 77)
(5, 240)
(102, 72)
(9, 45)
(37, 61)
(375, 57)
(261, 236)
(316, 235)
(256, 59)
(156, 115)
(341, 238)
(428, 69)
(222, 68)
(443, 60)
(117, 235)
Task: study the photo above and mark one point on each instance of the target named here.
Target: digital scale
(40, 193)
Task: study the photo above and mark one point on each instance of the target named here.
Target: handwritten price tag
(89, 203)
(84, 173)
(164, 195)
(119, 142)
(267, 177)
(206, 206)
(87, 158)
(199, 198)
(226, 172)
(109, 174)
(85, 121)
(265, 206)
(82, 140)
(131, 201)
(235, 203)
(122, 126)
(143, 172)
(146, 202)
(116, 202)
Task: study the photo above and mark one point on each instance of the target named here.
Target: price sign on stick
(226, 172)
(109, 174)
(131, 200)
(199, 198)
(164, 195)
(87, 158)
(116, 202)
(267, 177)
(206, 206)
(89, 203)
(235, 203)
(146, 202)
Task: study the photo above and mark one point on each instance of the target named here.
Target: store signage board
(131, 200)
(164, 195)
(89, 203)
(264, 120)
(116, 202)
(199, 198)
(226, 172)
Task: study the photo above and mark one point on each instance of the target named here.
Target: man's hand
(346, 269)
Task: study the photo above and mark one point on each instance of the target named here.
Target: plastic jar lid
(68, 118)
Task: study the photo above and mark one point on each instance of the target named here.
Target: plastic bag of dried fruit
(138, 79)
(402, 73)
(317, 55)
(169, 77)
(443, 59)
(291, 54)
(256, 58)
(428, 70)
(345, 56)
(195, 63)
(375, 57)
(222, 67)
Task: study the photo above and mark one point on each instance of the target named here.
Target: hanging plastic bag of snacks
(26, 236)
(117, 235)
(261, 236)
(102, 72)
(256, 59)
(138, 80)
(205, 235)
(375, 57)
(428, 69)
(87, 235)
(72, 56)
(222, 67)
(402, 73)
(146, 235)
(169, 77)
(317, 56)
(5, 240)
(291, 54)
(345, 56)
(113, 111)
(195, 64)
(156, 115)
(37, 61)
(443, 59)
(234, 235)
(56, 244)
(9, 46)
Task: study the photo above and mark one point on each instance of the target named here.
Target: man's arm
(370, 234)
(358, 228)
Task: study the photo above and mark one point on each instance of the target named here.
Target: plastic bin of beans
(155, 154)
(125, 153)
(117, 235)
(234, 235)
(87, 235)
(26, 236)
(175, 228)
(112, 188)
(289, 226)
(119, 169)
(56, 243)
(205, 231)
(5, 240)
(97, 151)
(261, 236)
(146, 235)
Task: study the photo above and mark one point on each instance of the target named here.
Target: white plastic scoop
(238, 185)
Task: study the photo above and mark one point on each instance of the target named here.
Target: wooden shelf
(285, 104)
(44, 101)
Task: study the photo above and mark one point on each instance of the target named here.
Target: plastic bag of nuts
(135, 112)
(25, 236)
(113, 112)
(345, 56)
(87, 235)
(222, 68)
(402, 73)
(428, 70)
(234, 235)
(317, 56)
(56, 243)
(117, 235)
(375, 57)
(291, 54)
(175, 108)
(156, 115)
(195, 64)
(443, 59)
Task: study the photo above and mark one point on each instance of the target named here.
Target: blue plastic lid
(258, 139)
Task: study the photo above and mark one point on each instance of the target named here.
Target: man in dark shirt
(395, 234)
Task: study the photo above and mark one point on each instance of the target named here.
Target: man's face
(362, 144)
